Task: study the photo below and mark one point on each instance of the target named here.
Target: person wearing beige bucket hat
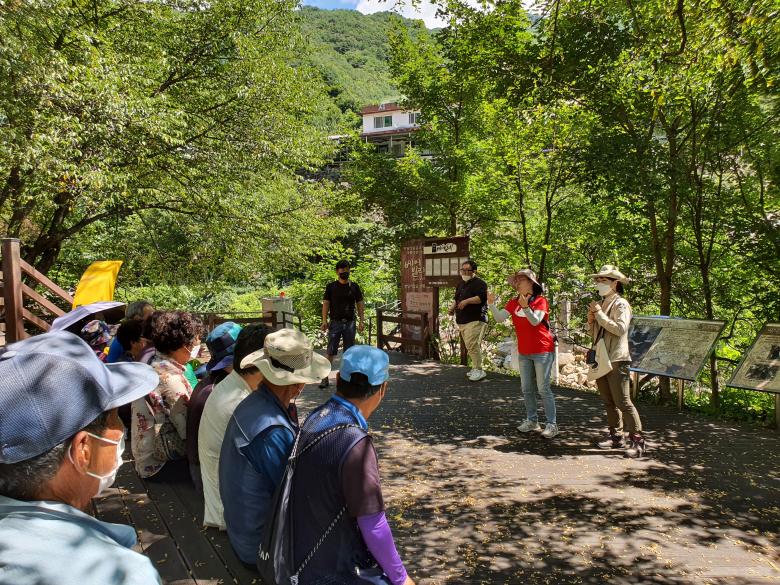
(260, 436)
(609, 320)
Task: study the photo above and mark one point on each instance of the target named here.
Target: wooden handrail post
(12, 291)
(426, 336)
(379, 328)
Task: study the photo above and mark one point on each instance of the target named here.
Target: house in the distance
(390, 127)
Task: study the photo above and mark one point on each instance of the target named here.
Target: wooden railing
(22, 302)
(418, 340)
(272, 319)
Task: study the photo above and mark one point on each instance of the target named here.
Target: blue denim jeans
(535, 377)
(338, 331)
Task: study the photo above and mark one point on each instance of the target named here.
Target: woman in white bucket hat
(609, 319)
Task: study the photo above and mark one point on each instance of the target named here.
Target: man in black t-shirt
(470, 309)
(341, 300)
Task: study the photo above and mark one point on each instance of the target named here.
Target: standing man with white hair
(61, 444)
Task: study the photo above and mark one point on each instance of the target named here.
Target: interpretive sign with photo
(672, 347)
(760, 368)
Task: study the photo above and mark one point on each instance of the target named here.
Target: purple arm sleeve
(379, 539)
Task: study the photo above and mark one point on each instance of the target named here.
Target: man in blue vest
(336, 484)
(260, 436)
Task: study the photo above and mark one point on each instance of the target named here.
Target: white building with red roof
(390, 127)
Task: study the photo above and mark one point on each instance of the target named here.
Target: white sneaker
(470, 373)
(550, 430)
(528, 426)
(477, 375)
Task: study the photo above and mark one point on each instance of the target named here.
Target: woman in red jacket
(529, 311)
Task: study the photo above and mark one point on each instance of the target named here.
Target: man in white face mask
(61, 444)
(470, 310)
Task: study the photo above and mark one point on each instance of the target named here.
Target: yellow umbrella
(97, 283)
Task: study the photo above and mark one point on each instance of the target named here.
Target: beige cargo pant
(472, 336)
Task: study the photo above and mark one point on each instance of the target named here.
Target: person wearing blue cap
(61, 444)
(336, 483)
(220, 343)
(225, 397)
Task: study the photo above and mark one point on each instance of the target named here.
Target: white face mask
(466, 277)
(604, 288)
(107, 480)
(195, 352)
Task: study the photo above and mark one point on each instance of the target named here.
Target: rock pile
(573, 369)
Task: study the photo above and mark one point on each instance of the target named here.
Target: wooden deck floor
(472, 501)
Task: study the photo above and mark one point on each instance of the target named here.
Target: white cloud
(425, 10)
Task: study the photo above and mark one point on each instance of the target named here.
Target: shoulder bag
(598, 355)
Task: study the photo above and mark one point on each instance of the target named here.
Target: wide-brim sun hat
(610, 271)
(288, 358)
(53, 385)
(527, 273)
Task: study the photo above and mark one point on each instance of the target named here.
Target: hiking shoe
(528, 425)
(550, 430)
(477, 375)
(636, 448)
(325, 382)
(612, 442)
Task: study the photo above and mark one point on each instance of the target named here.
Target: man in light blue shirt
(61, 443)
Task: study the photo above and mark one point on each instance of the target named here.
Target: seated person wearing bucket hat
(224, 399)
(220, 342)
(260, 436)
(61, 443)
(338, 477)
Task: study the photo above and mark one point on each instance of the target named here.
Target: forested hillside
(350, 51)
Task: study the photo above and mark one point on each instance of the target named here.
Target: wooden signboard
(416, 295)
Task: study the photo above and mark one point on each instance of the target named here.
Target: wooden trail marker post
(428, 264)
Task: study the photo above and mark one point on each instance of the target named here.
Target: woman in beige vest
(610, 319)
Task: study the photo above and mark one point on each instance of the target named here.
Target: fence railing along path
(28, 296)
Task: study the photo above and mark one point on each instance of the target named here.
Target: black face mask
(344, 276)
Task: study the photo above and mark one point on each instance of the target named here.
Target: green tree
(180, 112)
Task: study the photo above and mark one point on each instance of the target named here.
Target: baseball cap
(368, 360)
(221, 343)
(53, 385)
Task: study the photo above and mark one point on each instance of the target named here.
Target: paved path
(472, 501)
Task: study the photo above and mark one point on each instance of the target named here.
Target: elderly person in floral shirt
(160, 418)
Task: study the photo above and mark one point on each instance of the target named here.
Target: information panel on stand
(443, 258)
(671, 346)
(760, 367)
